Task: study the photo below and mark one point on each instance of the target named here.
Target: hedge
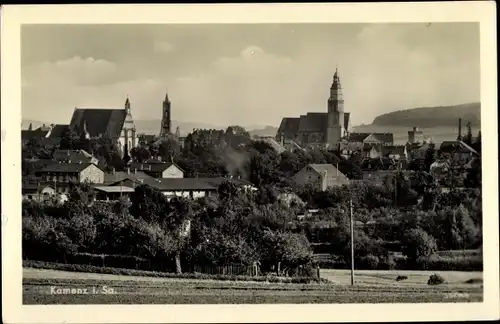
(142, 273)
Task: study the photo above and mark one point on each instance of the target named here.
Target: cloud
(163, 47)
(73, 71)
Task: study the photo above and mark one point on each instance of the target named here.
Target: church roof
(346, 120)
(289, 125)
(58, 130)
(99, 121)
(313, 122)
(358, 137)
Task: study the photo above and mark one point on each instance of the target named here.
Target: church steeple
(336, 128)
(127, 106)
(166, 120)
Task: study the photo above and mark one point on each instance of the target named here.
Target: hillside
(432, 116)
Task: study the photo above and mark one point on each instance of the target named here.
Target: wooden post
(318, 271)
(352, 243)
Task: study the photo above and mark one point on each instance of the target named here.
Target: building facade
(116, 124)
(320, 176)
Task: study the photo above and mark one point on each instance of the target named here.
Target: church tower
(166, 121)
(129, 137)
(335, 120)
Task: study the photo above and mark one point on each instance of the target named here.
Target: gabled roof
(156, 166)
(358, 137)
(67, 167)
(384, 137)
(347, 116)
(289, 126)
(330, 169)
(99, 122)
(456, 146)
(313, 122)
(74, 156)
(110, 178)
(27, 135)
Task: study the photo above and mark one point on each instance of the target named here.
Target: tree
(430, 156)
(140, 154)
(70, 140)
(468, 136)
(477, 143)
(417, 244)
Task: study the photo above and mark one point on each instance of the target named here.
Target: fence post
(279, 268)
(318, 271)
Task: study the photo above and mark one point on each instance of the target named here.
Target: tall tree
(477, 142)
(468, 136)
(430, 156)
(69, 139)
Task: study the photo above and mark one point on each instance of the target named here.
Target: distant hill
(153, 127)
(432, 116)
(266, 131)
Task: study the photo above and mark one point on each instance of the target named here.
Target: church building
(116, 124)
(319, 129)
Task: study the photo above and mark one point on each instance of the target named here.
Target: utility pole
(352, 242)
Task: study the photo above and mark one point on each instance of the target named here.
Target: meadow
(371, 286)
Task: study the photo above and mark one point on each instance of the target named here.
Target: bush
(417, 244)
(435, 279)
(474, 281)
(400, 278)
(370, 261)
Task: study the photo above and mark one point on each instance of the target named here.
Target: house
(159, 169)
(378, 177)
(37, 191)
(62, 174)
(458, 151)
(112, 193)
(321, 176)
(117, 176)
(417, 151)
(176, 187)
(74, 156)
(371, 152)
(397, 152)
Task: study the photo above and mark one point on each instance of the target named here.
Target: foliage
(417, 243)
(435, 279)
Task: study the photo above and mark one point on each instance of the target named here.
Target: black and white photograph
(239, 162)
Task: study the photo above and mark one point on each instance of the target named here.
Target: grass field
(41, 287)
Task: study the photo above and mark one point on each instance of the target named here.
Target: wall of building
(92, 174)
(307, 176)
(173, 172)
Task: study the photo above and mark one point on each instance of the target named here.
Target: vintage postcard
(249, 163)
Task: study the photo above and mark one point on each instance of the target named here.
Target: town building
(116, 124)
(317, 128)
(74, 156)
(416, 136)
(62, 174)
(320, 176)
(458, 151)
(158, 169)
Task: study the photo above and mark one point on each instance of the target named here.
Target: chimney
(114, 171)
(337, 172)
(128, 170)
(460, 129)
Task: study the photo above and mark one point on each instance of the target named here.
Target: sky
(246, 74)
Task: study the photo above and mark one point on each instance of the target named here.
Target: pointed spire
(166, 95)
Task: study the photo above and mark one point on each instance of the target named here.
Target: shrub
(370, 261)
(417, 244)
(474, 281)
(400, 278)
(435, 279)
